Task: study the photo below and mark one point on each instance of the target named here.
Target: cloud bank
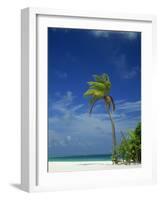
(106, 34)
(73, 131)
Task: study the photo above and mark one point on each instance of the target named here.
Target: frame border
(29, 144)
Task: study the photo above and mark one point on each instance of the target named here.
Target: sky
(74, 56)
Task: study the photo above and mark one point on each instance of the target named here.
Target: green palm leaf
(92, 103)
(101, 78)
(94, 93)
(96, 85)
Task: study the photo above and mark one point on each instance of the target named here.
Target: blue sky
(74, 55)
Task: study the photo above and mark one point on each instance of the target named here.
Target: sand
(84, 166)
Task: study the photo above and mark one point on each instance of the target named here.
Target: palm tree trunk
(113, 129)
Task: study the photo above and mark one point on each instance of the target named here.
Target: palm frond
(105, 77)
(92, 103)
(102, 82)
(107, 84)
(89, 93)
(94, 92)
(96, 85)
(101, 78)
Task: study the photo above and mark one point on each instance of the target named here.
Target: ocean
(106, 157)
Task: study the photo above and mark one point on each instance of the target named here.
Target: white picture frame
(34, 176)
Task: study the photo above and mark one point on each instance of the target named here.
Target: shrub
(129, 150)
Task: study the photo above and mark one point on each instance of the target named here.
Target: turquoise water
(82, 158)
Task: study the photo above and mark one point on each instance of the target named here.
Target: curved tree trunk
(113, 129)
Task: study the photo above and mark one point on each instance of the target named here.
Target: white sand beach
(85, 166)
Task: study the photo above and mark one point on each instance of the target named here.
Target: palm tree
(99, 89)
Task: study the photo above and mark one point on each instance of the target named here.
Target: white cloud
(107, 33)
(99, 33)
(69, 137)
(129, 35)
(68, 125)
(61, 75)
(131, 73)
(68, 97)
(130, 106)
(77, 107)
(64, 101)
(124, 69)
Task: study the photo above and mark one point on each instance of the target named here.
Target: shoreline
(56, 166)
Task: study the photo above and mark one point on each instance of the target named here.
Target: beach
(55, 166)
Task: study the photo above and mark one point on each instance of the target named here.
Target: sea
(79, 158)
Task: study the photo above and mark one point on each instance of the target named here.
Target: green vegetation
(129, 150)
(99, 89)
